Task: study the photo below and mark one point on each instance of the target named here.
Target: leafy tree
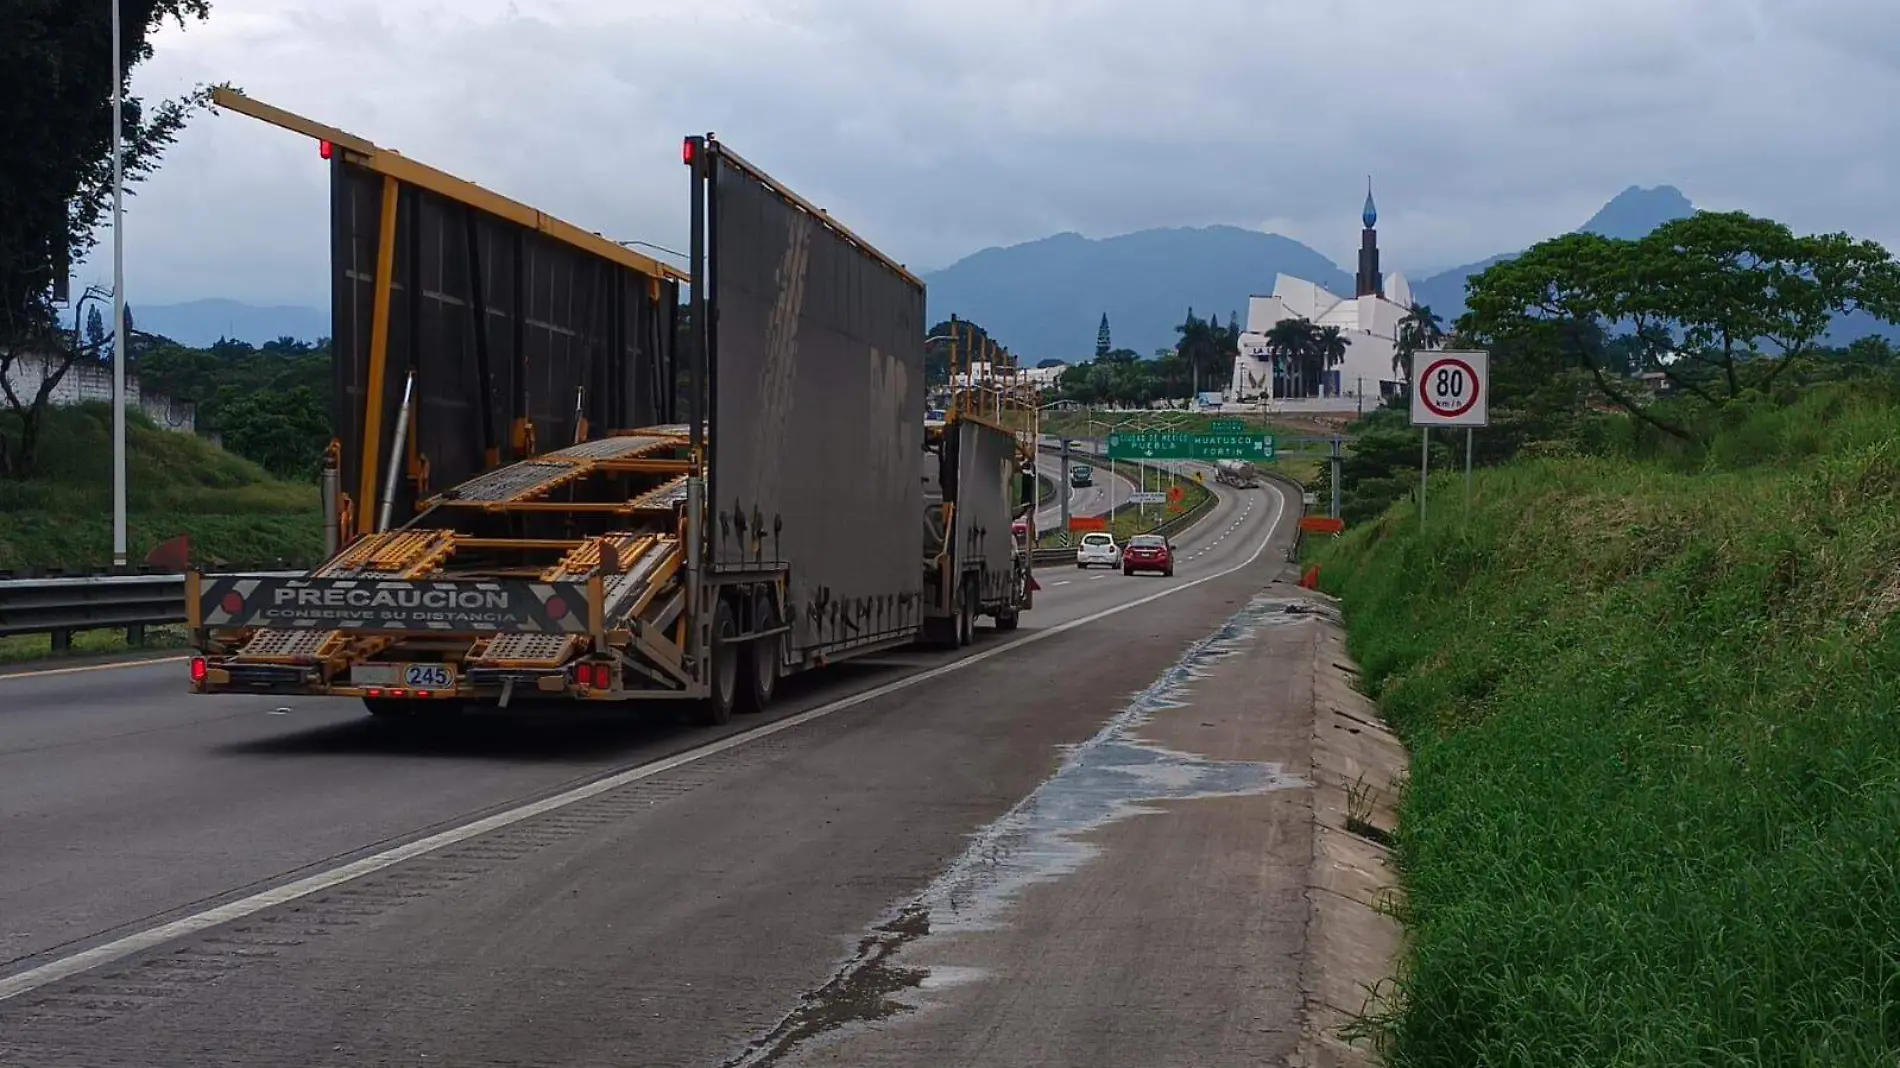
(967, 339)
(54, 360)
(1102, 343)
(56, 168)
(1718, 305)
(283, 431)
(95, 329)
(1051, 362)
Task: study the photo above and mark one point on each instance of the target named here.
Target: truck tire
(966, 618)
(715, 709)
(762, 658)
(1008, 620)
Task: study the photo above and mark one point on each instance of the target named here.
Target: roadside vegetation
(1648, 684)
(233, 511)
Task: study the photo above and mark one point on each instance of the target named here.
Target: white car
(1098, 550)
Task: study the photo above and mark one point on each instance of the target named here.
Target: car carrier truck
(758, 511)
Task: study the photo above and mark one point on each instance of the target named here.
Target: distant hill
(200, 323)
(1045, 298)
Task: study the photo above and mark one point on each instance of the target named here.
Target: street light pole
(118, 298)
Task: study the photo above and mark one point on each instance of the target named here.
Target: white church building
(1369, 321)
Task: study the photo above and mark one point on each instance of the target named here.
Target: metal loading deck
(605, 515)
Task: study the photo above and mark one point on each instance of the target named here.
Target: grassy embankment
(176, 484)
(1654, 808)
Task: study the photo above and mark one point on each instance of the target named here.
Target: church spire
(1369, 283)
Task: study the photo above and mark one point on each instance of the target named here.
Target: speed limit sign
(1451, 389)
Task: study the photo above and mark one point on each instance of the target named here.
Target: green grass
(29, 648)
(175, 484)
(1654, 808)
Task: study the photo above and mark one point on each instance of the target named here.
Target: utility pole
(118, 298)
(1337, 457)
(1062, 487)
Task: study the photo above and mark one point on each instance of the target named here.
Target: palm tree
(1329, 345)
(1289, 342)
(1199, 347)
(1420, 330)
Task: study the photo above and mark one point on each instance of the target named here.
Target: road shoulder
(1182, 890)
(1353, 939)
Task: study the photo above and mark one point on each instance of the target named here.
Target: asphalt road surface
(270, 881)
(1108, 490)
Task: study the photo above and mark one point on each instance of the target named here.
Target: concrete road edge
(1353, 938)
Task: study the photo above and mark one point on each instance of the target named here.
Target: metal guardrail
(60, 606)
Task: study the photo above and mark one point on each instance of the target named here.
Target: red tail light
(399, 693)
(594, 676)
(198, 669)
(375, 691)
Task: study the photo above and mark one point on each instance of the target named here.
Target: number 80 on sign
(1451, 389)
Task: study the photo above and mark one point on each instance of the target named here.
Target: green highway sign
(1175, 445)
(1226, 426)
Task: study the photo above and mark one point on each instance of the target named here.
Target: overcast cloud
(938, 128)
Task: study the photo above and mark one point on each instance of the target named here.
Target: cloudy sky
(939, 127)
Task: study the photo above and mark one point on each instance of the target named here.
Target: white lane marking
(1064, 582)
(85, 960)
(92, 667)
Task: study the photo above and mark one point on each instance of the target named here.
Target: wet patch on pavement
(1114, 775)
(860, 993)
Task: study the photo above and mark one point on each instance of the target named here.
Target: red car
(1148, 552)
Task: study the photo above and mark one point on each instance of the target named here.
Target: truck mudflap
(452, 606)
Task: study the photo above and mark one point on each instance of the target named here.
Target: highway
(1108, 490)
(267, 881)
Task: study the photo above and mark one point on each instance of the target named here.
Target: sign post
(1451, 389)
(1063, 488)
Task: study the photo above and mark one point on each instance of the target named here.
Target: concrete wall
(86, 381)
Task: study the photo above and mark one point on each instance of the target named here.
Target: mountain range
(1045, 298)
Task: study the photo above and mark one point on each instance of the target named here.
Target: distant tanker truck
(1237, 473)
(697, 560)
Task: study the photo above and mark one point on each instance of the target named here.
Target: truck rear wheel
(1008, 620)
(716, 708)
(966, 617)
(762, 659)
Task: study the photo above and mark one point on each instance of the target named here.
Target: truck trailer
(726, 527)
